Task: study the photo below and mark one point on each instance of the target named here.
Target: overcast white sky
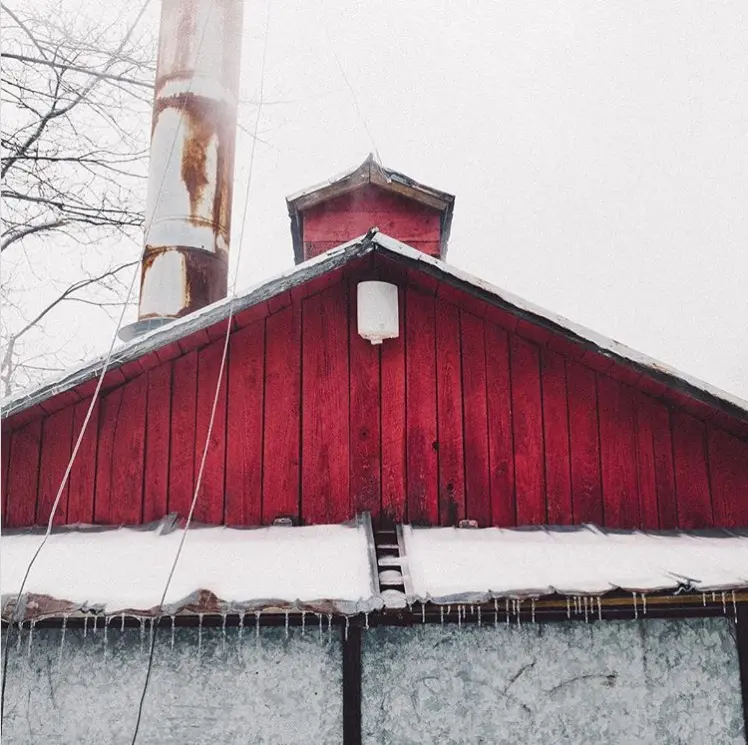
(598, 151)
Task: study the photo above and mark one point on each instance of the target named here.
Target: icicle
(423, 612)
(223, 630)
(703, 598)
(319, 616)
(495, 612)
(241, 625)
(472, 610)
(479, 619)
(599, 609)
(329, 624)
(62, 636)
(173, 624)
(20, 633)
(459, 618)
(441, 615)
(636, 607)
(31, 637)
(346, 628)
(286, 624)
(568, 607)
(449, 607)
(151, 622)
(506, 610)
(94, 623)
(142, 632)
(85, 625)
(734, 604)
(532, 611)
(199, 635)
(519, 613)
(724, 605)
(257, 624)
(366, 620)
(303, 622)
(586, 605)
(714, 597)
(644, 604)
(122, 625)
(106, 633)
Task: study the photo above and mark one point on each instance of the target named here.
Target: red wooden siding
(465, 415)
(348, 216)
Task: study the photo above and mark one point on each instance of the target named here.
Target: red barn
(484, 408)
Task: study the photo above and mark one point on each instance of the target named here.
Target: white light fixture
(378, 316)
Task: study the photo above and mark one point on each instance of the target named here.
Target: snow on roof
(323, 568)
(337, 257)
(452, 565)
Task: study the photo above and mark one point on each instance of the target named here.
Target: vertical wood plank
(477, 464)
(618, 454)
(586, 487)
(157, 441)
(83, 472)
(366, 440)
(556, 437)
(57, 435)
(420, 431)
(244, 425)
(282, 445)
(728, 468)
(691, 472)
(393, 422)
(183, 410)
(119, 474)
(527, 421)
(449, 415)
(5, 439)
(500, 437)
(662, 440)
(23, 475)
(325, 408)
(210, 499)
(649, 514)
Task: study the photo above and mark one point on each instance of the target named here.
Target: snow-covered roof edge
(376, 242)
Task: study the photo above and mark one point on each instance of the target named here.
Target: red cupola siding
(370, 196)
(483, 408)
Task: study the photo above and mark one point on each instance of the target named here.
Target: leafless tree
(74, 138)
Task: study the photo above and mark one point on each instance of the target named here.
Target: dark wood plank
(83, 472)
(586, 486)
(157, 442)
(420, 392)
(325, 484)
(182, 457)
(119, 473)
(23, 475)
(209, 506)
(667, 506)
(691, 472)
(618, 454)
(393, 422)
(649, 513)
(728, 470)
(556, 437)
(365, 434)
(57, 436)
(351, 684)
(449, 415)
(244, 426)
(282, 445)
(527, 421)
(500, 437)
(477, 461)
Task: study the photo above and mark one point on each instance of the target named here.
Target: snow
(472, 565)
(127, 569)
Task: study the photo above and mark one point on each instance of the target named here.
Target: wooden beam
(351, 683)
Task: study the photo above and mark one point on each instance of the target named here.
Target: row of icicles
(576, 606)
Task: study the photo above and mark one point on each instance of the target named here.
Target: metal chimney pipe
(190, 179)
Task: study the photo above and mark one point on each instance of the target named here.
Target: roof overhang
(371, 171)
(412, 259)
